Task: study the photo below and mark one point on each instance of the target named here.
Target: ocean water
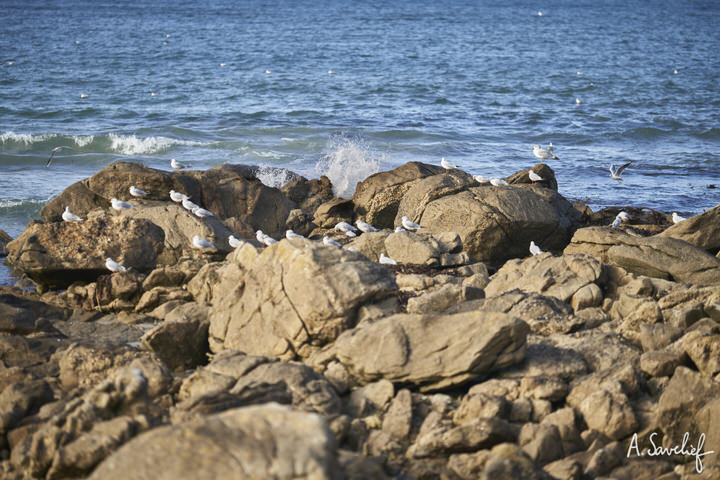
(348, 89)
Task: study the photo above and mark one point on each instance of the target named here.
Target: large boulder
(297, 296)
(659, 257)
(542, 169)
(268, 441)
(56, 254)
(432, 351)
(494, 224)
(308, 194)
(702, 230)
(4, 240)
(377, 197)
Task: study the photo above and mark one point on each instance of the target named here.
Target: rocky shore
(469, 358)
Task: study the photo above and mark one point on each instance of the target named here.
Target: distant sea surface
(350, 88)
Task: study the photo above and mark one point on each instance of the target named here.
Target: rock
(495, 224)
(609, 412)
(398, 419)
(644, 469)
(565, 469)
(658, 336)
(297, 296)
(371, 398)
(566, 422)
(234, 372)
(22, 316)
(56, 254)
(308, 194)
(286, 444)
(541, 442)
(701, 230)
(332, 212)
(300, 222)
(660, 257)
(442, 298)
(703, 349)
(468, 466)
(161, 295)
(181, 340)
(19, 400)
(660, 363)
(202, 285)
(510, 461)
(359, 467)
(377, 197)
(561, 277)
(431, 352)
(523, 177)
(542, 358)
(412, 248)
(481, 405)
(4, 240)
(479, 434)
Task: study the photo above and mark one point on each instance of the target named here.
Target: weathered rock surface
(268, 441)
(56, 254)
(702, 230)
(523, 177)
(297, 297)
(4, 240)
(181, 340)
(660, 257)
(428, 351)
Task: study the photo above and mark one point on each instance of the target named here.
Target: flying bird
(616, 174)
(136, 192)
(543, 154)
(53, 152)
(113, 266)
(409, 225)
(68, 216)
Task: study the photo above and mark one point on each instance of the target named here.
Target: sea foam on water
(349, 161)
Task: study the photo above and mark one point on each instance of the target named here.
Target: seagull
(616, 174)
(534, 177)
(136, 192)
(577, 101)
(289, 234)
(119, 205)
(176, 165)
(266, 240)
(113, 266)
(202, 213)
(399, 229)
(677, 218)
(534, 249)
(498, 182)
(53, 152)
(386, 260)
(617, 222)
(481, 179)
(447, 165)
(177, 196)
(624, 216)
(409, 225)
(188, 205)
(542, 154)
(351, 249)
(350, 234)
(68, 216)
(365, 227)
(234, 242)
(201, 243)
(267, 72)
(345, 227)
(329, 241)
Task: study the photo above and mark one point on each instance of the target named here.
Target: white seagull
(201, 243)
(624, 216)
(289, 234)
(345, 227)
(498, 182)
(677, 218)
(543, 154)
(534, 249)
(113, 266)
(616, 174)
(176, 165)
(409, 225)
(234, 242)
(365, 227)
(447, 165)
(119, 205)
(481, 179)
(202, 213)
(188, 205)
(329, 241)
(265, 239)
(53, 152)
(399, 229)
(534, 177)
(136, 192)
(386, 260)
(617, 222)
(177, 196)
(68, 216)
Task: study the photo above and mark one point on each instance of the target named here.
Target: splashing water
(273, 176)
(349, 161)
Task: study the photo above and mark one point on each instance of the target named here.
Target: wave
(349, 161)
(133, 145)
(274, 177)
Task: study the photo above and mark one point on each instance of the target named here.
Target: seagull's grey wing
(622, 167)
(52, 154)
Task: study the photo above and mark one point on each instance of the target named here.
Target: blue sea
(350, 88)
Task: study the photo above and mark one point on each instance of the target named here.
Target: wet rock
(286, 444)
(297, 296)
(377, 197)
(430, 352)
(4, 240)
(56, 254)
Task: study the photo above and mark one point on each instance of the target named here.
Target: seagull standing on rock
(677, 218)
(498, 182)
(113, 266)
(201, 243)
(534, 249)
(365, 227)
(68, 216)
(188, 205)
(136, 192)
(386, 260)
(481, 179)
(119, 205)
(345, 227)
(176, 165)
(290, 234)
(447, 165)
(202, 213)
(234, 242)
(329, 241)
(543, 154)
(534, 177)
(409, 225)
(264, 239)
(177, 197)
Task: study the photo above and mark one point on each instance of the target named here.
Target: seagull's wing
(612, 170)
(52, 154)
(621, 168)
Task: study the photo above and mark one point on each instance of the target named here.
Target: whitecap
(349, 161)
(133, 145)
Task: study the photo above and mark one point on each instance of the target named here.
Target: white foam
(26, 138)
(349, 161)
(272, 176)
(83, 140)
(133, 145)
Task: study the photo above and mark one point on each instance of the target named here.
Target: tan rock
(442, 298)
(702, 230)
